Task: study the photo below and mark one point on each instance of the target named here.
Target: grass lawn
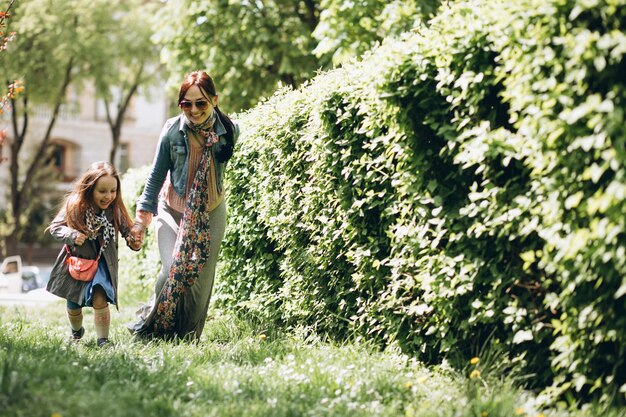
(237, 369)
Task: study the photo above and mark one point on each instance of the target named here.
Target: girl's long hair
(80, 198)
(206, 85)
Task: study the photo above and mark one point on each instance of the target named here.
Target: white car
(18, 278)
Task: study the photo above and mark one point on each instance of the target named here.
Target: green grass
(237, 369)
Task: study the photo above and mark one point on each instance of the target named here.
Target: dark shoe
(78, 334)
(103, 342)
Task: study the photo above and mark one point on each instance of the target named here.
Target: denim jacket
(172, 156)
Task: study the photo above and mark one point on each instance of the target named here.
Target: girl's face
(196, 106)
(104, 192)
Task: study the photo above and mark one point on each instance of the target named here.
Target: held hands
(135, 239)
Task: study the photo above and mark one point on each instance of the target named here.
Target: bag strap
(69, 252)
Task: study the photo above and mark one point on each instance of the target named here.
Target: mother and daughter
(185, 191)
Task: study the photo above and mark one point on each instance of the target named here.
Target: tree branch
(6, 12)
(311, 18)
(116, 128)
(39, 156)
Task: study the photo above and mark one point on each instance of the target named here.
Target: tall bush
(462, 185)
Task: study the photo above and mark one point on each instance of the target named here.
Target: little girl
(92, 215)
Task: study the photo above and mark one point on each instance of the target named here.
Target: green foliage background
(140, 267)
(253, 47)
(461, 185)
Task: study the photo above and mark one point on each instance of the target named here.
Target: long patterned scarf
(193, 243)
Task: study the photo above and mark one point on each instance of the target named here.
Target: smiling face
(197, 105)
(104, 192)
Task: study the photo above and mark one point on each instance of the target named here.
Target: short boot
(103, 342)
(78, 334)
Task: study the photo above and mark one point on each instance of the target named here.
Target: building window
(57, 159)
(62, 159)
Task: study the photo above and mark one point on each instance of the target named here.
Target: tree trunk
(312, 16)
(20, 192)
(116, 125)
(116, 131)
(29, 254)
(10, 244)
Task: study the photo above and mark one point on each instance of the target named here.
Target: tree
(55, 50)
(349, 28)
(135, 57)
(252, 47)
(14, 87)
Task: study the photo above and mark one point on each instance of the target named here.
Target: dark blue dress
(103, 279)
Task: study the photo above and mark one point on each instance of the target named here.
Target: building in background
(82, 135)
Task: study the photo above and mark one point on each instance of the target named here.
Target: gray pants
(193, 309)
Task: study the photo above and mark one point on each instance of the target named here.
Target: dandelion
(262, 337)
(484, 414)
(474, 360)
(56, 415)
(519, 411)
(422, 379)
(540, 415)
(408, 384)
(475, 374)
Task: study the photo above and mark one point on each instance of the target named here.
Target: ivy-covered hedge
(463, 184)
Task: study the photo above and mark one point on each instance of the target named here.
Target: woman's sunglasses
(200, 104)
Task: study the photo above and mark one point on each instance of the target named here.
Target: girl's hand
(133, 244)
(135, 239)
(80, 239)
(137, 233)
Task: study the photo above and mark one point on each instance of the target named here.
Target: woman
(185, 190)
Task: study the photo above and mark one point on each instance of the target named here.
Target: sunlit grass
(237, 369)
